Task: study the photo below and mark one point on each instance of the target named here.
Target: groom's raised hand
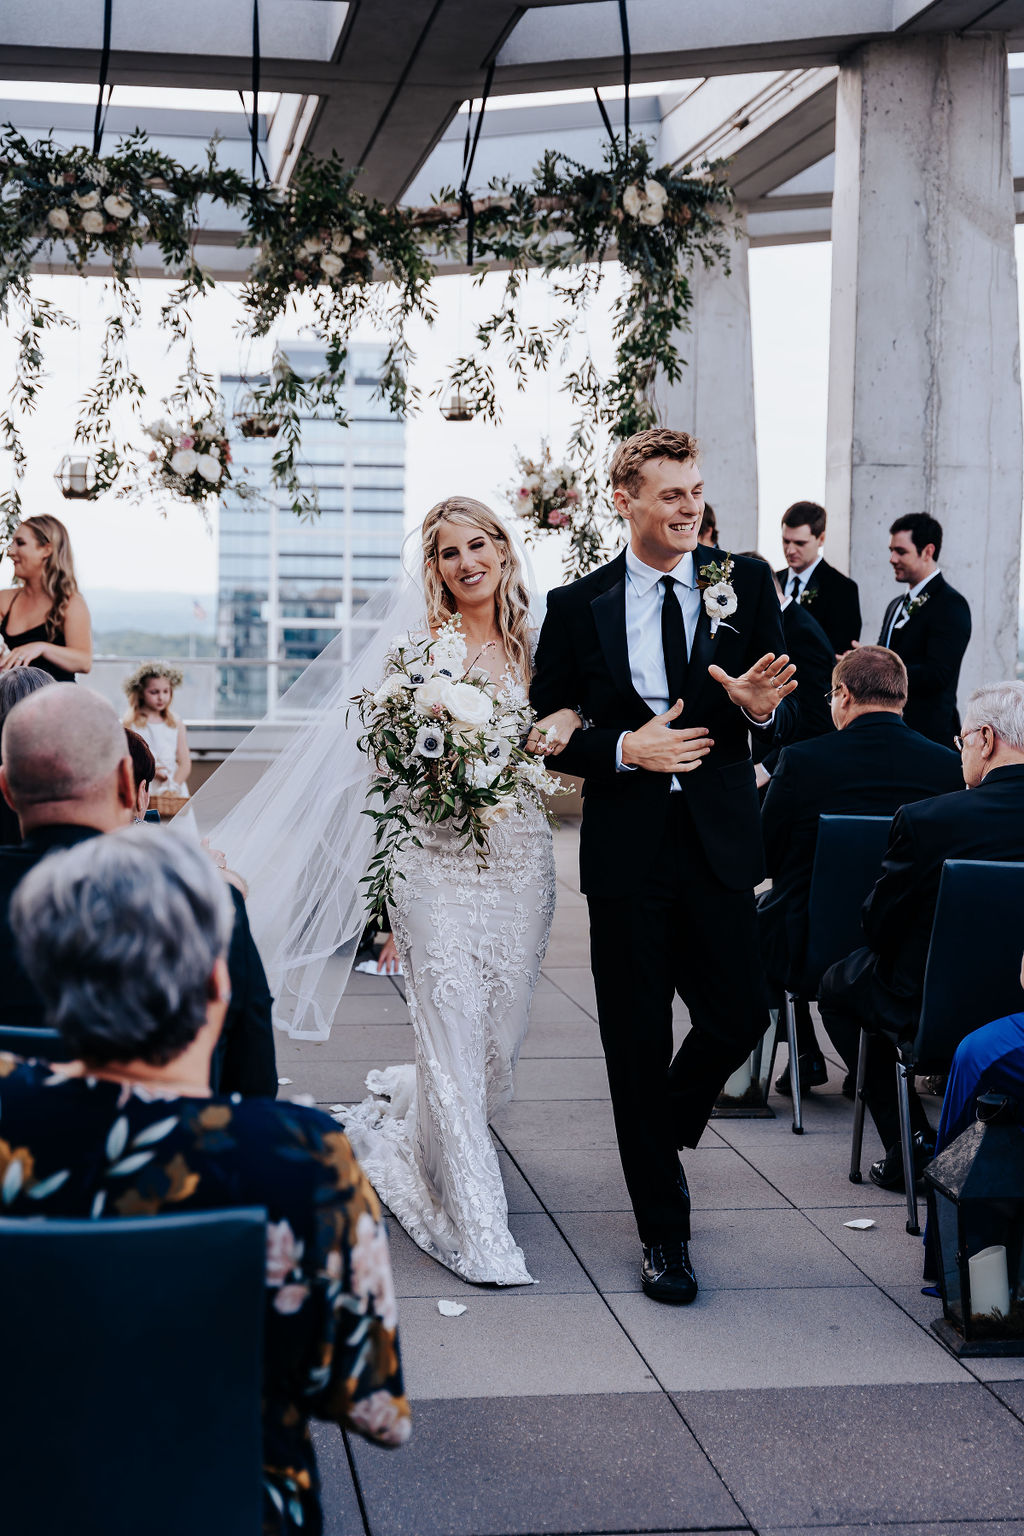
(759, 689)
(660, 749)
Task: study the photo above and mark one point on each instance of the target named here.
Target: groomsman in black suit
(672, 658)
(929, 627)
(810, 650)
(870, 765)
(809, 580)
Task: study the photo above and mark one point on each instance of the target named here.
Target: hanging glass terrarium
(456, 407)
(252, 419)
(78, 477)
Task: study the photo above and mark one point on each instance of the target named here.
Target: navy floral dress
(72, 1146)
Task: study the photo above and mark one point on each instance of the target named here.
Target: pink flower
(283, 1252)
(153, 455)
(187, 442)
(558, 519)
(524, 494)
(572, 495)
(371, 1270)
(290, 1298)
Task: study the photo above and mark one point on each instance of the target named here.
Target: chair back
(847, 861)
(43, 1044)
(972, 975)
(132, 1374)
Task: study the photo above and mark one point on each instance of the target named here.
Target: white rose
(93, 222)
(468, 706)
(57, 218)
(309, 250)
(330, 265)
(395, 682)
(633, 201)
(654, 192)
(492, 813)
(86, 199)
(652, 213)
(359, 233)
(341, 243)
(184, 462)
(481, 775)
(208, 467)
(214, 451)
(429, 695)
(117, 207)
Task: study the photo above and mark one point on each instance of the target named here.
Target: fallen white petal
(860, 1225)
(450, 1308)
(282, 1081)
(336, 1109)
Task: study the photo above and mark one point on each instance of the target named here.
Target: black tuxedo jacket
(983, 823)
(810, 650)
(872, 768)
(834, 600)
(932, 644)
(583, 662)
(244, 1060)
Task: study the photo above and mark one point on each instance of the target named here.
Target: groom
(671, 672)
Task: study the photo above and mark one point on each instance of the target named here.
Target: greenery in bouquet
(445, 742)
(544, 494)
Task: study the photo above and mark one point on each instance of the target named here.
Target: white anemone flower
(429, 741)
(720, 600)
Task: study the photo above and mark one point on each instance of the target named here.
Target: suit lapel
(702, 653)
(609, 610)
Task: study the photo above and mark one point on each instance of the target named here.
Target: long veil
(286, 808)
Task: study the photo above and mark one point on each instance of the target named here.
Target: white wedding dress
(471, 942)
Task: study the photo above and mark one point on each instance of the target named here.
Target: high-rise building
(286, 586)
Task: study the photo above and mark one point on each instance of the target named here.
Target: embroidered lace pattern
(471, 943)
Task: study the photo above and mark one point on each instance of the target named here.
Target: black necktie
(794, 585)
(673, 641)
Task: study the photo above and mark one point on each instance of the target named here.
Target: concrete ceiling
(382, 81)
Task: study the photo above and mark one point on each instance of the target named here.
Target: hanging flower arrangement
(543, 494)
(191, 460)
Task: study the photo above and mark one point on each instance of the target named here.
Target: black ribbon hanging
(609, 130)
(254, 121)
(627, 68)
(101, 112)
(468, 156)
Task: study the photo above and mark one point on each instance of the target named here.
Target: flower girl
(150, 690)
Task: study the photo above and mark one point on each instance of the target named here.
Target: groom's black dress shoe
(887, 1173)
(813, 1074)
(666, 1273)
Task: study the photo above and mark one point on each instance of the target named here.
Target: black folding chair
(971, 977)
(45, 1044)
(847, 862)
(132, 1374)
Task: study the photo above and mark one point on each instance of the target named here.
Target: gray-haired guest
(68, 774)
(15, 685)
(126, 940)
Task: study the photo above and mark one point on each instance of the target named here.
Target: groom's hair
(628, 460)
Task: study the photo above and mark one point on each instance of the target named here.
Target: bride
(287, 810)
(470, 941)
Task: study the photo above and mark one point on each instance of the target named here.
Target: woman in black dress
(44, 620)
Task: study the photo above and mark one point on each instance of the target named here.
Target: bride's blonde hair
(512, 599)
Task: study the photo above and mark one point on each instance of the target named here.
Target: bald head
(63, 748)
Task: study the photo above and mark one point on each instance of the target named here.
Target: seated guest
(988, 1060)
(126, 940)
(810, 650)
(143, 769)
(14, 686)
(67, 773)
(869, 766)
(879, 987)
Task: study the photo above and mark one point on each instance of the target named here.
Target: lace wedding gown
(471, 942)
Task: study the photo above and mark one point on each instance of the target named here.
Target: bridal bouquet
(446, 744)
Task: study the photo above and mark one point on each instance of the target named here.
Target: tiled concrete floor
(802, 1391)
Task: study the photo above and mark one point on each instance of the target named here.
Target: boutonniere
(912, 607)
(720, 600)
(806, 597)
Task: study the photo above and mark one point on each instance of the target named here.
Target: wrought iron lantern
(976, 1224)
(253, 419)
(455, 407)
(78, 477)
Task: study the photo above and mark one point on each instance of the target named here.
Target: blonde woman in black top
(44, 620)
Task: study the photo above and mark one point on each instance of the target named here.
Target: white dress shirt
(899, 617)
(802, 578)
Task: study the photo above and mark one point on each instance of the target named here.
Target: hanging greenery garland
(352, 258)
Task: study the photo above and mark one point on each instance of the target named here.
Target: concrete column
(715, 397)
(924, 372)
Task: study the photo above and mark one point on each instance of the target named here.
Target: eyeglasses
(961, 741)
(828, 697)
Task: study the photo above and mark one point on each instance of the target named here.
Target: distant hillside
(149, 646)
(159, 613)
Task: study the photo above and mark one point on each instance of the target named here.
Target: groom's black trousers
(678, 930)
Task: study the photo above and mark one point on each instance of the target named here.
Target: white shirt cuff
(620, 766)
(759, 723)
